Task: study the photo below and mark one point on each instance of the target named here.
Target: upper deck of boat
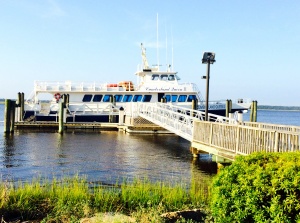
(151, 86)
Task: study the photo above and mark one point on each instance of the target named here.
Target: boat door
(160, 96)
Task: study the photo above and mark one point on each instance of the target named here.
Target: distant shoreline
(278, 108)
(268, 109)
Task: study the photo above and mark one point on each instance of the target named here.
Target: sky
(257, 44)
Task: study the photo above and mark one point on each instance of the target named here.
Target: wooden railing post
(276, 149)
(211, 133)
(237, 142)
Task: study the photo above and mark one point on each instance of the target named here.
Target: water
(108, 156)
(101, 156)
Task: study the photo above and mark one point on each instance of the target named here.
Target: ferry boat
(93, 102)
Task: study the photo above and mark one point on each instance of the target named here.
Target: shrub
(262, 187)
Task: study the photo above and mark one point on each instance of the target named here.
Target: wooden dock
(131, 125)
(226, 141)
(224, 138)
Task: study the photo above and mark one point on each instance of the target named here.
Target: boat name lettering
(214, 106)
(163, 89)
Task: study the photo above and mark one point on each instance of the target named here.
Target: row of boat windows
(163, 77)
(135, 98)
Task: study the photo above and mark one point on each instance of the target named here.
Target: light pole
(208, 58)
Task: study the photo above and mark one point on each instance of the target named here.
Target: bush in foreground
(258, 188)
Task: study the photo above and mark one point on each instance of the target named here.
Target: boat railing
(94, 108)
(53, 86)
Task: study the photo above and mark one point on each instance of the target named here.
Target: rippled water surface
(108, 156)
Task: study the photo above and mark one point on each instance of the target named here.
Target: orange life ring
(57, 96)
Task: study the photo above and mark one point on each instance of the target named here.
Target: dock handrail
(276, 127)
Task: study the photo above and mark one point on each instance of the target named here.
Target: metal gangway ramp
(176, 119)
(222, 137)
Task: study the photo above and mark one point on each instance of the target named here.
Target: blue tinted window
(182, 98)
(155, 77)
(87, 97)
(118, 97)
(127, 98)
(191, 98)
(97, 98)
(106, 97)
(137, 97)
(168, 98)
(174, 98)
(147, 98)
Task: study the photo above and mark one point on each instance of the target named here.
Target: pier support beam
(221, 162)
(196, 152)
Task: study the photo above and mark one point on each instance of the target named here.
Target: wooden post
(255, 111)
(7, 114)
(194, 107)
(67, 103)
(194, 104)
(228, 107)
(22, 107)
(12, 115)
(18, 107)
(252, 111)
(194, 151)
(61, 118)
(112, 101)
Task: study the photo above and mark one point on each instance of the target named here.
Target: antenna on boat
(145, 61)
(157, 42)
(168, 65)
(172, 49)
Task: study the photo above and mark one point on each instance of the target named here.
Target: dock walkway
(222, 137)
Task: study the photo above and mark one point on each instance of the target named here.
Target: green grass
(70, 199)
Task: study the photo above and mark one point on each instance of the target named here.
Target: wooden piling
(228, 107)
(61, 118)
(18, 107)
(255, 111)
(22, 107)
(12, 115)
(251, 112)
(112, 118)
(194, 104)
(7, 116)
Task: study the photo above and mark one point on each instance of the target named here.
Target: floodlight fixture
(208, 57)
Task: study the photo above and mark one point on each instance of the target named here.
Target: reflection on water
(105, 156)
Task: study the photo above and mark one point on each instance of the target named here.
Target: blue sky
(257, 44)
